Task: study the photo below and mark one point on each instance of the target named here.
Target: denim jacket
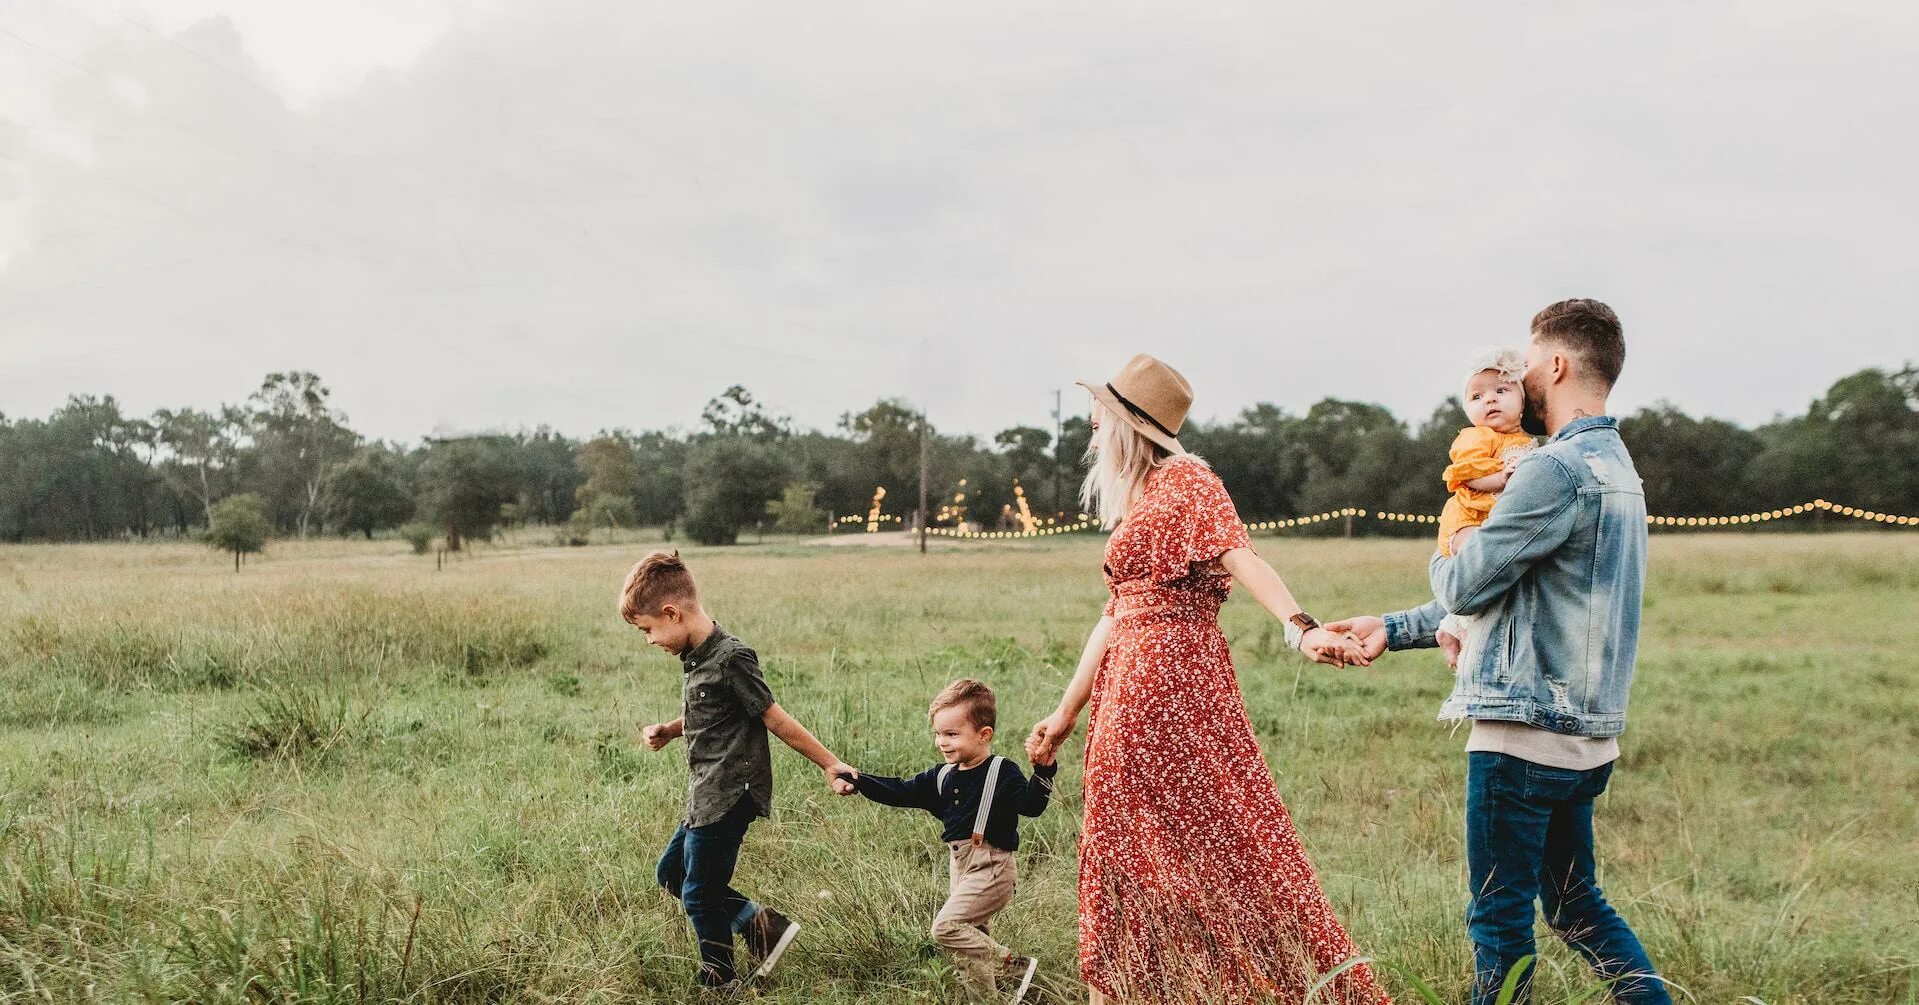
(1555, 575)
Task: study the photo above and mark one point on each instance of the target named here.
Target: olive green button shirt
(727, 754)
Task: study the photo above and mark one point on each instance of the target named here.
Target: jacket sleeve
(1416, 628)
(1534, 516)
(919, 792)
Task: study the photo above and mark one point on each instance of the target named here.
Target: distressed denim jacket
(1556, 575)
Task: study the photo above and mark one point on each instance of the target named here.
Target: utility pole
(923, 439)
(1059, 458)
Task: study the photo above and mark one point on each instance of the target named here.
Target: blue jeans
(1529, 836)
(697, 868)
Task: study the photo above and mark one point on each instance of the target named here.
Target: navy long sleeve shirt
(958, 806)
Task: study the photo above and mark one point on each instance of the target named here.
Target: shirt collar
(1584, 423)
(694, 657)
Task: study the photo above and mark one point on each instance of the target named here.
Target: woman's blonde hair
(1122, 459)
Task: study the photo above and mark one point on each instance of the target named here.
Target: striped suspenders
(985, 796)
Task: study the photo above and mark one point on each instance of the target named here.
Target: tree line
(286, 462)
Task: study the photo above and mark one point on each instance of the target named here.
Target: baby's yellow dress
(1477, 452)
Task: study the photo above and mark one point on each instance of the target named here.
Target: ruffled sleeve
(1196, 522)
(1475, 454)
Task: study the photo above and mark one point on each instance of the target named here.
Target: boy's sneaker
(766, 938)
(723, 993)
(1020, 967)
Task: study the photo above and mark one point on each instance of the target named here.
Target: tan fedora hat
(1149, 396)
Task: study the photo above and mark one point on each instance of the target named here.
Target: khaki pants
(982, 880)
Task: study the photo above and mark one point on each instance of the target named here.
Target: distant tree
(1691, 467)
(729, 481)
(1260, 456)
(297, 436)
(547, 476)
(201, 449)
(1029, 458)
(464, 483)
(737, 413)
(794, 511)
(238, 524)
(1356, 454)
(612, 480)
(366, 493)
(890, 433)
(1858, 445)
(660, 495)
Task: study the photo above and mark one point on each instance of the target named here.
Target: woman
(1193, 886)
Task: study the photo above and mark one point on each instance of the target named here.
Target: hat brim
(1105, 397)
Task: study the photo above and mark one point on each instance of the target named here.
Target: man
(1555, 575)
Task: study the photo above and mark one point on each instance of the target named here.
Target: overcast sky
(599, 213)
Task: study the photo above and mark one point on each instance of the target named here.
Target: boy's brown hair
(982, 709)
(1589, 330)
(656, 580)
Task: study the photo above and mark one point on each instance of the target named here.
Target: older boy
(727, 710)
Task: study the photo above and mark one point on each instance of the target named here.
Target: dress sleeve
(1200, 524)
(1475, 454)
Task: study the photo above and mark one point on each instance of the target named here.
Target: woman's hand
(1044, 742)
(1333, 648)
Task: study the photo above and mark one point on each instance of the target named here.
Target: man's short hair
(982, 710)
(1586, 329)
(655, 581)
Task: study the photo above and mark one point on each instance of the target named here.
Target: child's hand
(658, 735)
(1045, 756)
(1449, 645)
(839, 778)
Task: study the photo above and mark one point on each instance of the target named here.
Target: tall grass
(343, 776)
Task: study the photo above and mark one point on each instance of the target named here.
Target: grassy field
(341, 775)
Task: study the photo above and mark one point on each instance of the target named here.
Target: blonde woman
(1193, 886)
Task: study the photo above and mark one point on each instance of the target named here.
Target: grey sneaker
(767, 936)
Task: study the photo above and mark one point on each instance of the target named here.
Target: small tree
(419, 534)
(794, 511)
(366, 494)
(238, 524)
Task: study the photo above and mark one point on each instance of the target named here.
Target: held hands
(839, 778)
(1369, 632)
(1333, 647)
(658, 735)
(1043, 744)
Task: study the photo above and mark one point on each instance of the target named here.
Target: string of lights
(1049, 528)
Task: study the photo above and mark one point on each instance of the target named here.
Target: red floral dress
(1193, 886)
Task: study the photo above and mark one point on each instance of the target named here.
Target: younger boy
(727, 711)
(980, 796)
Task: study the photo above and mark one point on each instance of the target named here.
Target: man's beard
(1531, 419)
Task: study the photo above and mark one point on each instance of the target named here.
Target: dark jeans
(698, 869)
(1529, 836)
